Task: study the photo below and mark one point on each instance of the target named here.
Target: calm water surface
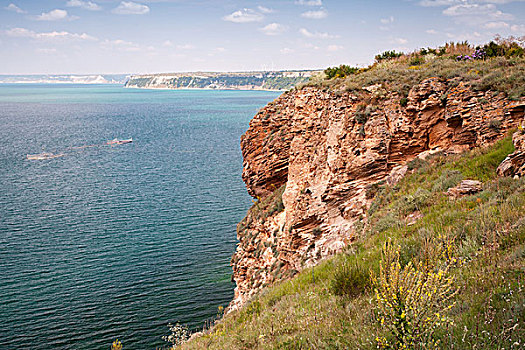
(114, 242)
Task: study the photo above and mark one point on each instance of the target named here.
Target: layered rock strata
(514, 164)
(323, 150)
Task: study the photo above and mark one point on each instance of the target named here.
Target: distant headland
(256, 80)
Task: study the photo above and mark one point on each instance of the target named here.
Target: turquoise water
(114, 242)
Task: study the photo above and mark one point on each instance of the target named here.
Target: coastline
(188, 88)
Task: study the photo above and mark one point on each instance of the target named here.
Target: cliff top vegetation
(498, 66)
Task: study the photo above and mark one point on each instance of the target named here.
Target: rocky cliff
(313, 156)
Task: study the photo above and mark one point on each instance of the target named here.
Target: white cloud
(167, 43)
(334, 48)
(474, 36)
(433, 3)
(518, 28)
(431, 31)
(263, 9)
(130, 8)
(14, 8)
(387, 20)
(46, 50)
(496, 25)
(305, 32)
(320, 14)
(121, 45)
(476, 14)
(273, 29)
(244, 16)
(399, 41)
(309, 2)
(310, 46)
(88, 5)
(26, 33)
(286, 51)
(55, 15)
(185, 47)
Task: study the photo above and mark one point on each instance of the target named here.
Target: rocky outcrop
(514, 164)
(465, 187)
(324, 149)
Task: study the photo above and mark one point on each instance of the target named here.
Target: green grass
(333, 306)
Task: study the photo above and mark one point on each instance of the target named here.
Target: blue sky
(149, 36)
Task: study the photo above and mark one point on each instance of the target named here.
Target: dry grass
(499, 74)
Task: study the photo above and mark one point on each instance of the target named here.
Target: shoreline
(188, 88)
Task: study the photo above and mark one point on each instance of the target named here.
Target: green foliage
(417, 60)
(403, 102)
(387, 55)
(447, 179)
(482, 164)
(412, 202)
(340, 72)
(428, 51)
(350, 279)
(363, 112)
(261, 209)
(505, 48)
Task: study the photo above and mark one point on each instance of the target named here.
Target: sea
(116, 241)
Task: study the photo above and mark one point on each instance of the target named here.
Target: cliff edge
(313, 157)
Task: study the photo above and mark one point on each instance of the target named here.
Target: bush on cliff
(340, 72)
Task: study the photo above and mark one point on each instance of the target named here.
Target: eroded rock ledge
(323, 149)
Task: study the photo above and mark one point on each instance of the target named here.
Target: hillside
(477, 243)
(354, 178)
(273, 80)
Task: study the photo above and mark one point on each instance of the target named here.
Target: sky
(154, 36)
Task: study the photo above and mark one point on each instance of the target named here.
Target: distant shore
(211, 89)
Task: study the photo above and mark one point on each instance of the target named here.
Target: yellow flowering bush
(117, 345)
(411, 301)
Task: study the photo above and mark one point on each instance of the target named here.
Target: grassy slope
(334, 306)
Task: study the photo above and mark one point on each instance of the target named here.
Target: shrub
(384, 223)
(447, 179)
(417, 61)
(403, 102)
(494, 124)
(117, 345)
(410, 301)
(509, 47)
(363, 112)
(340, 72)
(350, 280)
(411, 202)
(387, 55)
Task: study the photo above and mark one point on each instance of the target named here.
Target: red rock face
(327, 147)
